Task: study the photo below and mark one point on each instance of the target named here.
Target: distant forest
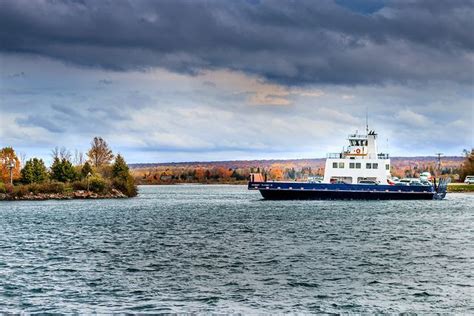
(293, 169)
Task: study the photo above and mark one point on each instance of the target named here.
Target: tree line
(238, 172)
(101, 172)
(206, 174)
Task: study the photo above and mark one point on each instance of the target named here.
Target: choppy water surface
(223, 249)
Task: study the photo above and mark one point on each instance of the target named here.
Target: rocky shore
(80, 194)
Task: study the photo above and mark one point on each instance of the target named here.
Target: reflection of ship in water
(358, 172)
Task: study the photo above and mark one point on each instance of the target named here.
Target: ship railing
(366, 156)
(357, 136)
(334, 156)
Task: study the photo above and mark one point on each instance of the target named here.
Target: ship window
(351, 165)
(334, 164)
(375, 166)
(357, 165)
(387, 167)
(341, 165)
(368, 166)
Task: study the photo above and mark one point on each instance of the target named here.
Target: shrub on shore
(79, 185)
(99, 185)
(126, 185)
(3, 188)
(20, 190)
(53, 187)
(38, 188)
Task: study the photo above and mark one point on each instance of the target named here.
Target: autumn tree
(34, 171)
(467, 168)
(8, 154)
(224, 173)
(199, 174)
(276, 174)
(100, 154)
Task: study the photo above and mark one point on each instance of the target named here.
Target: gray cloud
(41, 121)
(292, 42)
(105, 82)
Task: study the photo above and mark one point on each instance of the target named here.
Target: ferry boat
(358, 172)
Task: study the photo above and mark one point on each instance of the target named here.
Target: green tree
(86, 169)
(120, 168)
(34, 171)
(63, 170)
(122, 179)
(100, 153)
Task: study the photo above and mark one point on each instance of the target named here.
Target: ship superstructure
(360, 161)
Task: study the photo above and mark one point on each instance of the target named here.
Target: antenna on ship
(367, 120)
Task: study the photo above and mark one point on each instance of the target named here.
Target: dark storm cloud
(291, 42)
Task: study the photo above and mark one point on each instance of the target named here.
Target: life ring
(358, 150)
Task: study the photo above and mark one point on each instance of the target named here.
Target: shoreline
(74, 195)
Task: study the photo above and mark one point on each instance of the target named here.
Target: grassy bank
(460, 187)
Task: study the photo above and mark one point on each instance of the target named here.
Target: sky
(168, 81)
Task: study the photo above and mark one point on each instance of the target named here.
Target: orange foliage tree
(224, 173)
(276, 174)
(200, 174)
(9, 153)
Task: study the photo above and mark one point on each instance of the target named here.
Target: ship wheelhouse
(360, 162)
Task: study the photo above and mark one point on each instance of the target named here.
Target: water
(223, 249)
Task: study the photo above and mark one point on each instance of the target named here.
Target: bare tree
(100, 153)
(55, 152)
(61, 153)
(81, 158)
(23, 158)
(78, 157)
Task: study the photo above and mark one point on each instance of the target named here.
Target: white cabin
(359, 161)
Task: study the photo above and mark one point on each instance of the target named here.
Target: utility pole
(88, 179)
(439, 162)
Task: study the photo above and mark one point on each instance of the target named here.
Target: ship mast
(367, 120)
